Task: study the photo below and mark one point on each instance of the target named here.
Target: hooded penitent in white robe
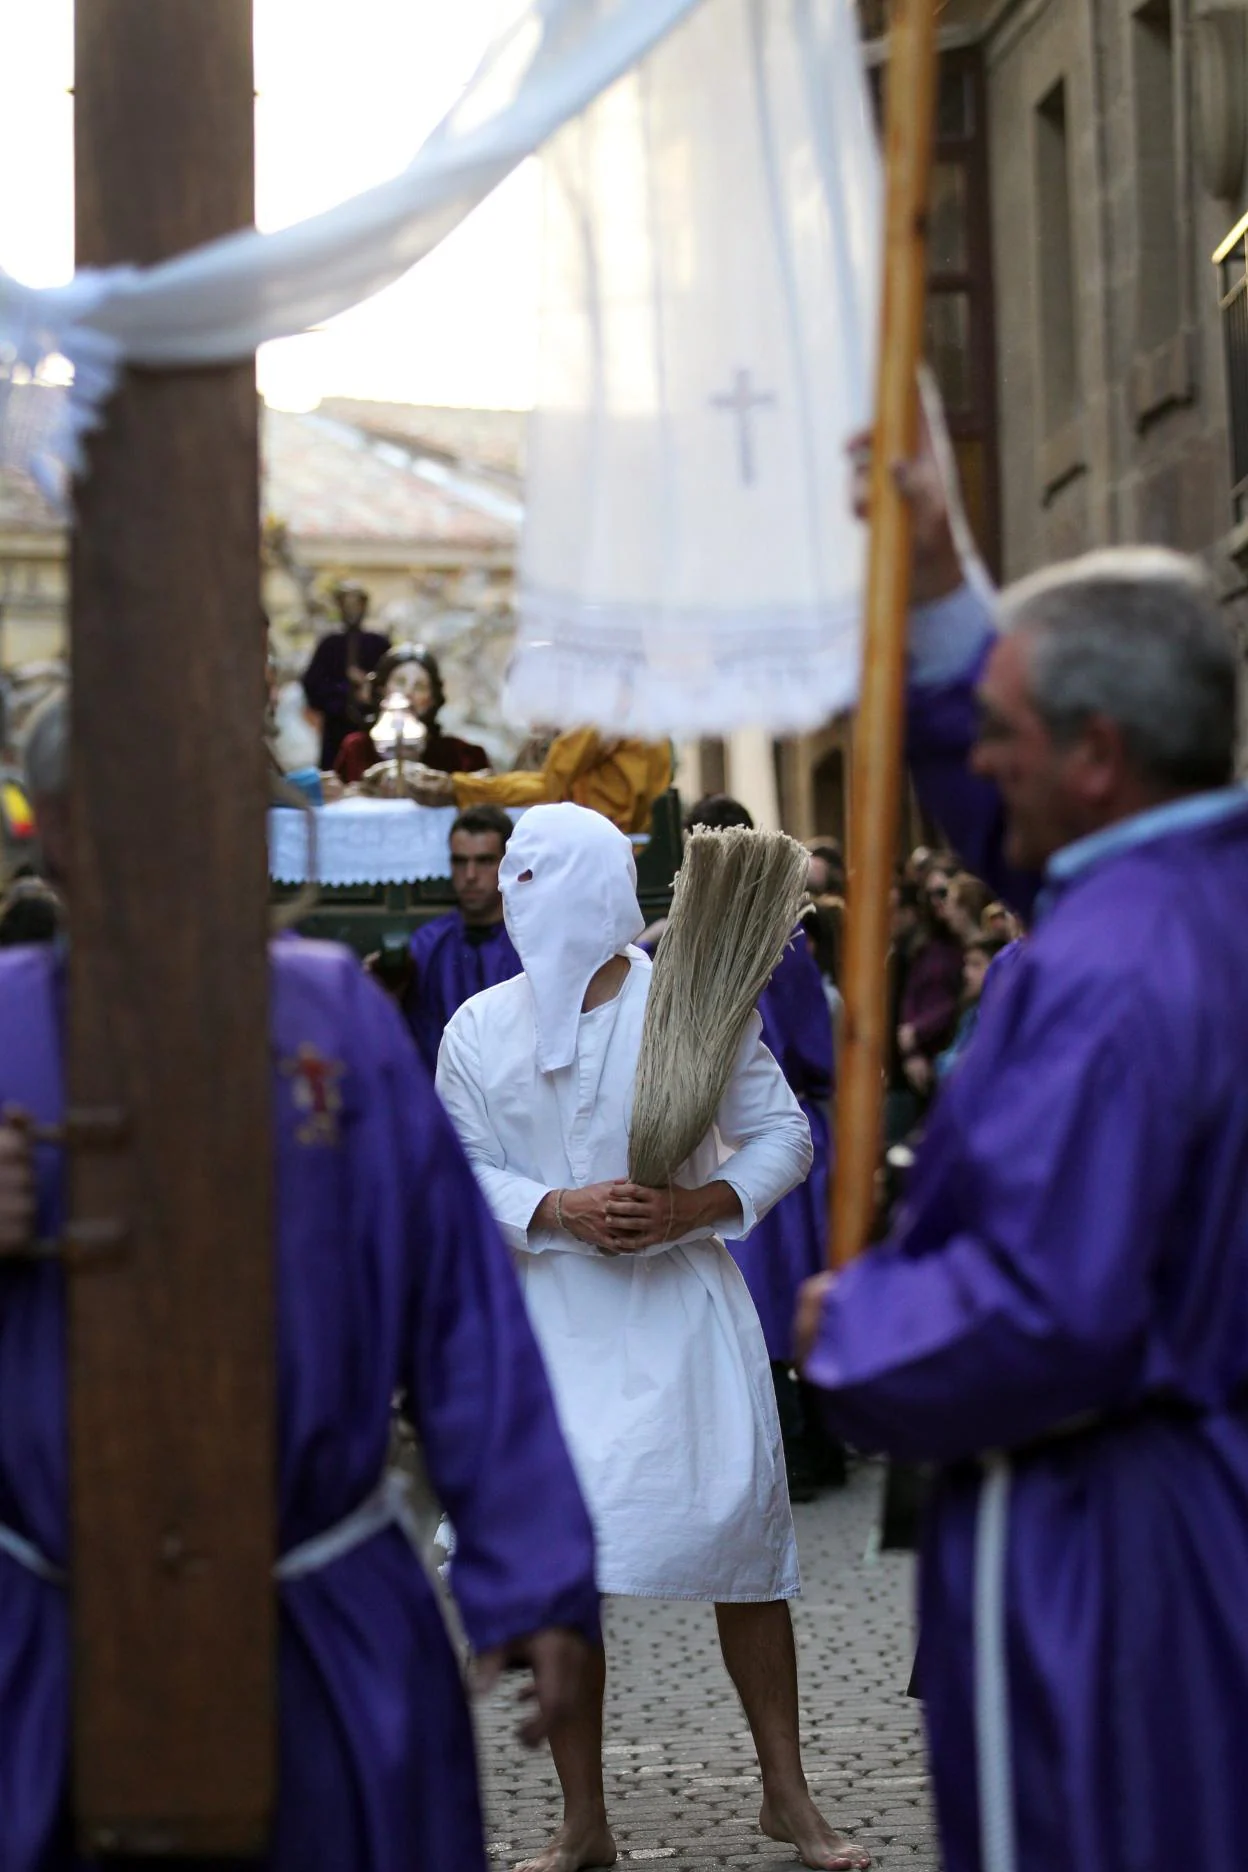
(657, 1360)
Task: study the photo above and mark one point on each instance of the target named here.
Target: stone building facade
(1084, 349)
(1108, 199)
(423, 506)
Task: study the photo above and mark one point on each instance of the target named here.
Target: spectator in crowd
(999, 920)
(921, 861)
(827, 869)
(965, 903)
(901, 1104)
(411, 671)
(336, 681)
(934, 878)
(824, 925)
(977, 957)
(930, 998)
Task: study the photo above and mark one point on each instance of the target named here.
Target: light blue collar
(1188, 814)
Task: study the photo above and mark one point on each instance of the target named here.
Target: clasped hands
(411, 780)
(621, 1217)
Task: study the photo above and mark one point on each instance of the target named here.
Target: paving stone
(682, 1781)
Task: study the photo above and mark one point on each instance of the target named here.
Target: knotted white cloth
(222, 300)
(713, 208)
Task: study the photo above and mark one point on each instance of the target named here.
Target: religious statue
(336, 681)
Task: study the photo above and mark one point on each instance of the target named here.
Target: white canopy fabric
(223, 300)
(711, 267)
(689, 563)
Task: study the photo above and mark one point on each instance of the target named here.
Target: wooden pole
(171, 1331)
(876, 767)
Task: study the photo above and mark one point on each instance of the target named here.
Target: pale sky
(347, 91)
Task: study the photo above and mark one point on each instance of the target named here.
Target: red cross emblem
(317, 1093)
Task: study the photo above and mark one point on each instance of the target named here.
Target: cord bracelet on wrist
(560, 1224)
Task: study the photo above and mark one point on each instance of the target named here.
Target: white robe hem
(792, 1591)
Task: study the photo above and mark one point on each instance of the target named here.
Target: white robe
(657, 1360)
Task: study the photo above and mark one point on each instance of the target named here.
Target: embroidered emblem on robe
(317, 1092)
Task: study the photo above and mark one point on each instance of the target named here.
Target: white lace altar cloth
(710, 279)
(362, 842)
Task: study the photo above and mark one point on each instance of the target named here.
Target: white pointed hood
(569, 888)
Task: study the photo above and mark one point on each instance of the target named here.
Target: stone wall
(1140, 452)
(1133, 443)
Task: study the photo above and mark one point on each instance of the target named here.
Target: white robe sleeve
(760, 1121)
(512, 1198)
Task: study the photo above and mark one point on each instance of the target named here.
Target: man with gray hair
(1059, 1319)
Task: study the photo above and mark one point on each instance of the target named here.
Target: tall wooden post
(171, 1314)
(876, 769)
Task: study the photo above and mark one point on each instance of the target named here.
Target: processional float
(168, 1247)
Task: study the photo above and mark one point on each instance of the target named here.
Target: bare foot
(799, 1823)
(576, 1847)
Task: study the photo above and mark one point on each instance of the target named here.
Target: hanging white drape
(689, 563)
(223, 300)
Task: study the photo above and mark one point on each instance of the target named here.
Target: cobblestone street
(682, 1783)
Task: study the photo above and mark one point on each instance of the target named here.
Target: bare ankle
(784, 1790)
(581, 1842)
(586, 1817)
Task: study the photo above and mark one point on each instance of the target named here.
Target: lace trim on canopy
(652, 672)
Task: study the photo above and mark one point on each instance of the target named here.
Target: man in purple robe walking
(1059, 1319)
(389, 1273)
(457, 955)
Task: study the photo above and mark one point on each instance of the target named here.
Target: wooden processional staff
(170, 1242)
(876, 767)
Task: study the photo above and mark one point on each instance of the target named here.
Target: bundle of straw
(738, 895)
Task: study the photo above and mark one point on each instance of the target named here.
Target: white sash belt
(993, 1751)
(393, 1503)
(28, 1555)
(397, 1501)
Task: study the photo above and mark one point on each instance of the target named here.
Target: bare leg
(758, 1648)
(584, 1839)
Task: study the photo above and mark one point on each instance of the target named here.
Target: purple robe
(329, 692)
(450, 964)
(1068, 1282)
(390, 1272)
(788, 1245)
